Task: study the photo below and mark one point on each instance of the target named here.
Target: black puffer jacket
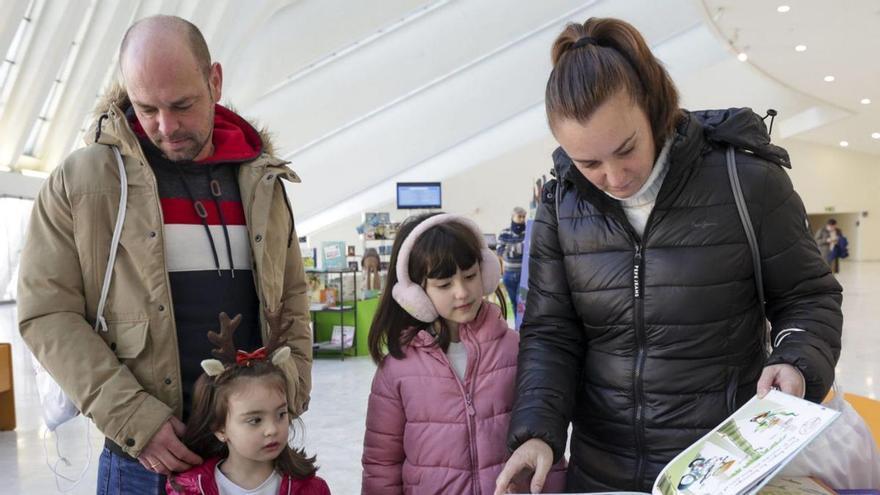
(645, 344)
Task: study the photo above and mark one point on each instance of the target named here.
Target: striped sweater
(209, 260)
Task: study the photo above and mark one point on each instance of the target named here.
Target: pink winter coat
(200, 480)
(429, 432)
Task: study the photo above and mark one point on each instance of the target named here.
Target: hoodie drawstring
(215, 195)
(203, 215)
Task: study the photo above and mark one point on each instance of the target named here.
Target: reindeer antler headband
(226, 354)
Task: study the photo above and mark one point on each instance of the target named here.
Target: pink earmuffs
(411, 297)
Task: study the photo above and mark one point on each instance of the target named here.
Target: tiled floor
(334, 425)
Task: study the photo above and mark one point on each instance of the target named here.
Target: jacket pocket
(129, 337)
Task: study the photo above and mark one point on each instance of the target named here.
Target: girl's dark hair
(584, 77)
(438, 253)
(211, 406)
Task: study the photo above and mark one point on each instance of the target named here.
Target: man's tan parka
(127, 380)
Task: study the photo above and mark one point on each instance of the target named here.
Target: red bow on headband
(245, 358)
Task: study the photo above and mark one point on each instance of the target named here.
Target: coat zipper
(471, 412)
(638, 318)
(641, 343)
(472, 426)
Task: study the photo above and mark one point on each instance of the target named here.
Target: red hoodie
(205, 282)
(200, 480)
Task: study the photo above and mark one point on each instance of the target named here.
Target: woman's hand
(785, 377)
(534, 455)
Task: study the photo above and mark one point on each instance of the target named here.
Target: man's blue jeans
(511, 283)
(120, 476)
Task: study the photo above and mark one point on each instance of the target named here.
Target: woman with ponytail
(644, 328)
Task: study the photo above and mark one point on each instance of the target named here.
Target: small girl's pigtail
(502, 301)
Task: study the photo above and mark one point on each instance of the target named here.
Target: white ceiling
(842, 40)
(361, 94)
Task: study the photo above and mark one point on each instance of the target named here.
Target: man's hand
(784, 377)
(534, 455)
(166, 454)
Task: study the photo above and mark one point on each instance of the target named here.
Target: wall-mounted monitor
(418, 195)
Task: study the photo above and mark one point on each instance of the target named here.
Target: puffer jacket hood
(740, 127)
(115, 101)
(476, 329)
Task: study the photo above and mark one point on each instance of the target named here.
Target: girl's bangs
(446, 249)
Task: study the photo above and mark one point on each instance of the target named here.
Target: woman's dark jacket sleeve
(803, 298)
(552, 343)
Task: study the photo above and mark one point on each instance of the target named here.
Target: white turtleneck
(638, 206)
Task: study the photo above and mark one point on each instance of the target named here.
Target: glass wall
(14, 216)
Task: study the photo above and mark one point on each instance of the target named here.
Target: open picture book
(747, 450)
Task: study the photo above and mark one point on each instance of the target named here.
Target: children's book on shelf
(746, 451)
(333, 255)
(378, 226)
(316, 286)
(309, 257)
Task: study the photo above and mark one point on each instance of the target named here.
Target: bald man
(208, 229)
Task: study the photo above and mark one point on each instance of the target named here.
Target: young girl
(239, 424)
(441, 398)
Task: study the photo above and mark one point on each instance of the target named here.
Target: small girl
(240, 422)
(441, 398)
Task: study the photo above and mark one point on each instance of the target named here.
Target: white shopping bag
(57, 407)
(844, 455)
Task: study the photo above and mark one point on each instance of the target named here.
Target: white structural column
(54, 31)
(11, 12)
(99, 48)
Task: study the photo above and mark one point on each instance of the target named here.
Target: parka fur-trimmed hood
(116, 97)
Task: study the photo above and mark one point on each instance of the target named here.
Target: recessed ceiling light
(875, 135)
(800, 48)
(783, 9)
(829, 78)
(844, 144)
(866, 101)
(742, 57)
